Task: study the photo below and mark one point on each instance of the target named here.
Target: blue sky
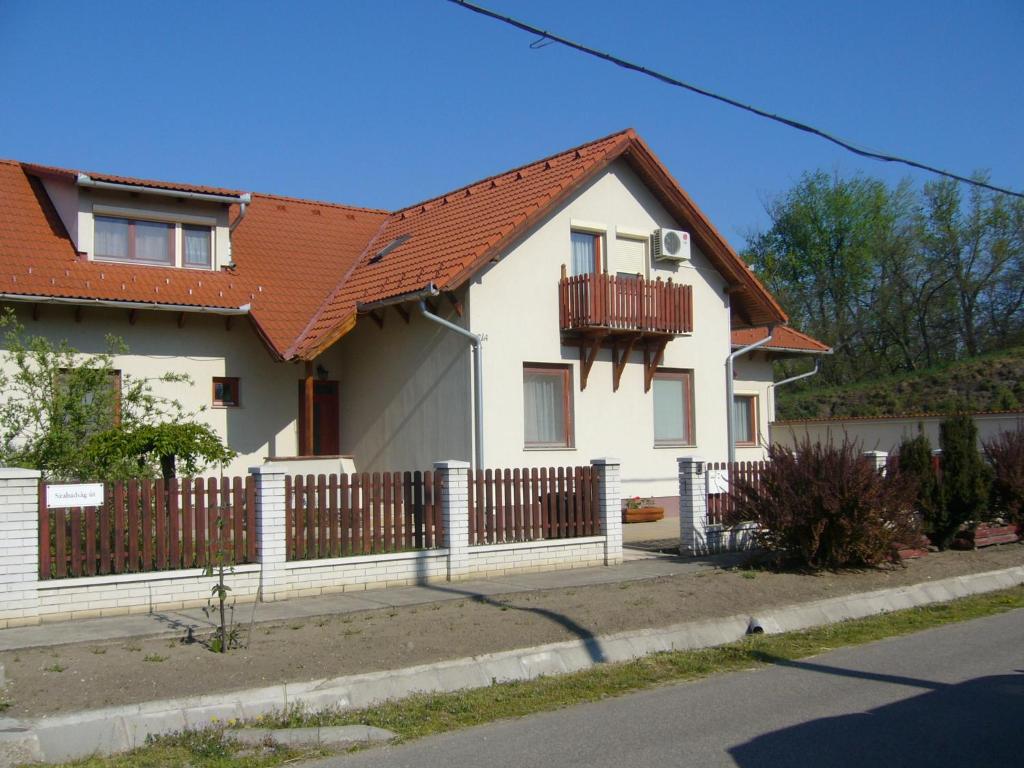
(387, 102)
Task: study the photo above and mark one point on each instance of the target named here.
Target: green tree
(915, 463)
(965, 479)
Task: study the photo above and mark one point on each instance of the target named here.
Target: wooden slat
(436, 491)
(76, 541)
(323, 547)
(199, 511)
(173, 524)
(238, 519)
(119, 554)
(251, 543)
(332, 512)
(429, 523)
(160, 520)
(489, 507)
(89, 513)
(377, 525)
(356, 513)
(388, 520)
(310, 519)
(227, 530)
(517, 506)
(417, 505)
(105, 513)
(535, 513)
(299, 526)
(45, 559)
(367, 511)
(146, 530)
(409, 511)
(560, 503)
(213, 514)
(345, 513)
(60, 542)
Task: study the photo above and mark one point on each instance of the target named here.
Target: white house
(578, 306)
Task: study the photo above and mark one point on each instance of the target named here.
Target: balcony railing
(600, 301)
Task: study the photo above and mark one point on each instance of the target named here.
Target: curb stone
(116, 729)
(300, 737)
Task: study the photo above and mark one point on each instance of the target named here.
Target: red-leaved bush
(1005, 453)
(827, 506)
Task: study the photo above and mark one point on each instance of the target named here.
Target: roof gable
(452, 236)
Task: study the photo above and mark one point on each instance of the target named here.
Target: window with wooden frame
(82, 390)
(673, 408)
(586, 257)
(547, 406)
(134, 240)
(744, 409)
(226, 393)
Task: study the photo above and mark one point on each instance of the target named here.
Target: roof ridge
(507, 171)
(309, 201)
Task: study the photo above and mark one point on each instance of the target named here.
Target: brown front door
(325, 417)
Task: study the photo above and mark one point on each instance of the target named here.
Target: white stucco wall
(265, 422)
(515, 303)
(886, 434)
(753, 376)
(406, 393)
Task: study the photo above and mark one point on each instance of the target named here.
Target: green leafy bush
(1005, 453)
(914, 462)
(826, 507)
(964, 479)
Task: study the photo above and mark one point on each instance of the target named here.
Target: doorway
(326, 438)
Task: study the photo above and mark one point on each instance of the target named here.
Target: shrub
(826, 506)
(965, 479)
(914, 462)
(1005, 453)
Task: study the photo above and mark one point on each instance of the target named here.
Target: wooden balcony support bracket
(402, 313)
(78, 314)
(181, 319)
(589, 347)
(35, 311)
(619, 360)
(133, 315)
(456, 304)
(377, 318)
(227, 322)
(653, 352)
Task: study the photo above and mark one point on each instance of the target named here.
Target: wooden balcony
(624, 305)
(623, 313)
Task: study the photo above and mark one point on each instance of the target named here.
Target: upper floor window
(139, 241)
(586, 253)
(149, 242)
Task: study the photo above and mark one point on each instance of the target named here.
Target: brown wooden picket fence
(532, 504)
(721, 504)
(150, 525)
(362, 514)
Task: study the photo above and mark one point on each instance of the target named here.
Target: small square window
(673, 408)
(744, 409)
(547, 406)
(226, 392)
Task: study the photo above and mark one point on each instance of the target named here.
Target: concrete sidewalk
(639, 565)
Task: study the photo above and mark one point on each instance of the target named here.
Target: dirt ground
(75, 677)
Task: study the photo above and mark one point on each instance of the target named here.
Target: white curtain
(196, 246)
(152, 242)
(111, 238)
(741, 420)
(544, 409)
(582, 253)
(669, 411)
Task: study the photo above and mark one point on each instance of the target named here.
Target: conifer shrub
(914, 463)
(825, 506)
(964, 479)
(1005, 454)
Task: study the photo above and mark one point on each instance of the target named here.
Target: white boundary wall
(25, 599)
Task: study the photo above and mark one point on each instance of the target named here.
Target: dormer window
(130, 240)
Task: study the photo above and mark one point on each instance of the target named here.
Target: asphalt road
(951, 696)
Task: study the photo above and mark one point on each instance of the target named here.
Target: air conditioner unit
(671, 245)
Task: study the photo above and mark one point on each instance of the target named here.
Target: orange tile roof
(785, 339)
(304, 266)
(69, 173)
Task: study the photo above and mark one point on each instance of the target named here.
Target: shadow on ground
(965, 724)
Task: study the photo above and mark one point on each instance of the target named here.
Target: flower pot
(642, 514)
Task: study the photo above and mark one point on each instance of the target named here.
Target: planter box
(643, 514)
(913, 550)
(986, 535)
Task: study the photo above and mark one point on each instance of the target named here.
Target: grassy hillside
(992, 382)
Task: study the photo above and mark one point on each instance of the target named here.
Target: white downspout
(730, 389)
(478, 381)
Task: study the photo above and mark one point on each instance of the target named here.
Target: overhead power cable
(550, 36)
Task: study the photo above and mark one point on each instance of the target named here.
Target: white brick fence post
(693, 506)
(19, 546)
(610, 490)
(455, 514)
(878, 460)
(271, 530)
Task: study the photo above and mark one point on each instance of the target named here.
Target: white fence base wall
(25, 599)
(95, 596)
